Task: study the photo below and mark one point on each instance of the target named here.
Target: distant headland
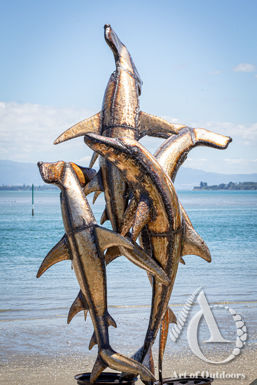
(26, 187)
(228, 186)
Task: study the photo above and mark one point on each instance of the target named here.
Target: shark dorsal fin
(92, 124)
(60, 252)
(131, 250)
(107, 238)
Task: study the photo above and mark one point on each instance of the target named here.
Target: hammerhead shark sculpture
(153, 204)
(84, 244)
(157, 210)
(120, 117)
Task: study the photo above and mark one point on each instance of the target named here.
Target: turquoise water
(33, 311)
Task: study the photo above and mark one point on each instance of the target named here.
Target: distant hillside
(228, 186)
(17, 173)
(187, 178)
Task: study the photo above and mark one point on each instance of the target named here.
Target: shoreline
(22, 369)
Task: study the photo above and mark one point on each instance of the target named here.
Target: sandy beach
(43, 370)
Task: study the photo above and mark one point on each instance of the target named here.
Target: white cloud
(247, 133)
(245, 67)
(27, 131)
(240, 161)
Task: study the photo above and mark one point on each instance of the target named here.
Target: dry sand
(42, 370)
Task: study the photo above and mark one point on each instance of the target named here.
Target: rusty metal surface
(140, 202)
(155, 191)
(86, 243)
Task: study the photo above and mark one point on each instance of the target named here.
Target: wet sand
(43, 370)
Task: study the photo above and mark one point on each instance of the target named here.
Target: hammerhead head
(157, 210)
(84, 243)
(120, 117)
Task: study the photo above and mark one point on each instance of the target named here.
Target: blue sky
(197, 59)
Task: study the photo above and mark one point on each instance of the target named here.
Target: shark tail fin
(148, 362)
(60, 252)
(98, 367)
(119, 362)
(92, 124)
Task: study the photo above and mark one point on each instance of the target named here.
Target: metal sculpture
(141, 201)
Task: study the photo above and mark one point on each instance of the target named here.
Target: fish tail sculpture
(159, 213)
(85, 243)
(174, 150)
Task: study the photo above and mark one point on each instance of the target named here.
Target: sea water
(33, 311)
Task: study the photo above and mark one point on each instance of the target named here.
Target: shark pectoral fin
(193, 244)
(96, 195)
(60, 252)
(139, 257)
(78, 305)
(153, 126)
(95, 184)
(108, 238)
(92, 342)
(129, 216)
(92, 124)
(111, 254)
(98, 368)
(172, 317)
(142, 217)
(104, 216)
(93, 159)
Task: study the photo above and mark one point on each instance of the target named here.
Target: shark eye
(139, 89)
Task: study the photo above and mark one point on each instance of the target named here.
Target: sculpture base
(105, 378)
(185, 381)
